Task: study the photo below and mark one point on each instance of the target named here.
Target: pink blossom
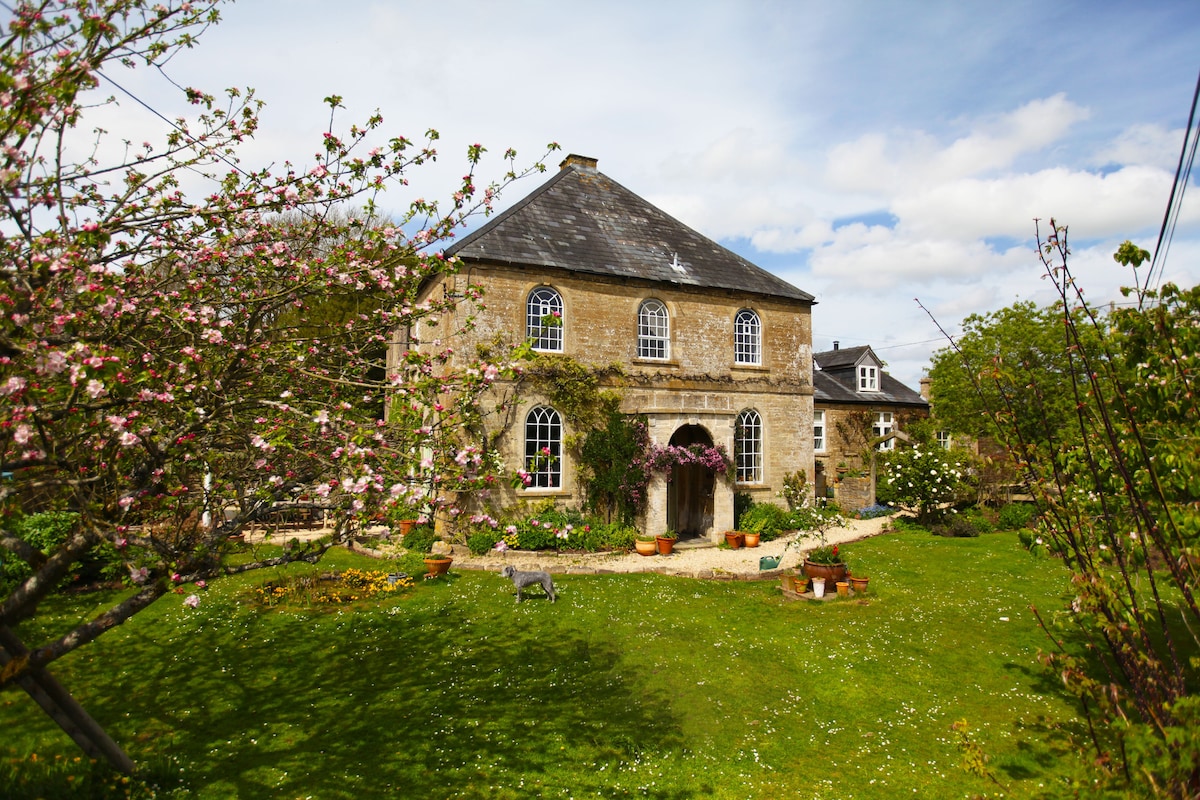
(22, 434)
(192, 600)
(12, 385)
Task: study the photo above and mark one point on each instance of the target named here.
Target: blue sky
(868, 152)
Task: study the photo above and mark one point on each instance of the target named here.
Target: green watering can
(771, 562)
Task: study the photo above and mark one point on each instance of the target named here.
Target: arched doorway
(690, 489)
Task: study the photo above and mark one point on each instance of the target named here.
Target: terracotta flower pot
(859, 585)
(830, 572)
(665, 545)
(438, 566)
(646, 547)
(751, 539)
(406, 525)
(734, 539)
(843, 588)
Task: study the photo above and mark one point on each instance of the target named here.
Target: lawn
(629, 686)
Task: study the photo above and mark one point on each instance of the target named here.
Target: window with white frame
(543, 448)
(747, 338)
(868, 378)
(943, 439)
(544, 320)
(654, 330)
(748, 447)
(884, 424)
(819, 431)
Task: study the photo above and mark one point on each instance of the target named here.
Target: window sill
(751, 367)
(655, 362)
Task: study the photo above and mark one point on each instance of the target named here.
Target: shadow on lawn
(361, 704)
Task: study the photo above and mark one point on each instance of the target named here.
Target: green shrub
(766, 519)
(619, 537)
(1014, 516)
(45, 531)
(411, 564)
(532, 536)
(979, 519)
(420, 539)
(958, 526)
(481, 542)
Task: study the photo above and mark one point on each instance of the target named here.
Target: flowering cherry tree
(160, 371)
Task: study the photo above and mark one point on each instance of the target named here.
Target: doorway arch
(690, 488)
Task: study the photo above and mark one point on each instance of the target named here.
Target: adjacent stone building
(857, 408)
(714, 350)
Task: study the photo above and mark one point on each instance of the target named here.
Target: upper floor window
(747, 338)
(654, 330)
(543, 319)
(819, 431)
(543, 448)
(748, 447)
(868, 378)
(884, 425)
(943, 439)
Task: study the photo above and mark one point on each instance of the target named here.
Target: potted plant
(437, 565)
(666, 542)
(751, 538)
(645, 545)
(826, 562)
(734, 539)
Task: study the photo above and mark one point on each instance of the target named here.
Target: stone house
(712, 349)
(857, 407)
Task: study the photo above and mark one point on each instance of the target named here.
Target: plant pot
(406, 525)
(832, 573)
(843, 588)
(646, 547)
(859, 585)
(818, 587)
(665, 545)
(438, 566)
(734, 539)
(751, 539)
(800, 582)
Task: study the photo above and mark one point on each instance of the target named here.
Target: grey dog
(521, 579)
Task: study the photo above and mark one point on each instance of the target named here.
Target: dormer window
(868, 378)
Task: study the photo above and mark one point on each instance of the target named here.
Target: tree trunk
(56, 701)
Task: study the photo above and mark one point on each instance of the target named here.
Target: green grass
(629, 686)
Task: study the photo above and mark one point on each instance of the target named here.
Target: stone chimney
(926, 383)
(583, 162)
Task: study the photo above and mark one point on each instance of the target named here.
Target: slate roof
(836, 381)
(582, 220)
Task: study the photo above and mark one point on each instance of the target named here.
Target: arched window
(748, 447)
(654, 330)
(747, 338)
(543, 448)
(544, 319)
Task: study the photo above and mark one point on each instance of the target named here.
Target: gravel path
(689, 560)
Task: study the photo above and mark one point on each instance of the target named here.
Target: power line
(1183, 172)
